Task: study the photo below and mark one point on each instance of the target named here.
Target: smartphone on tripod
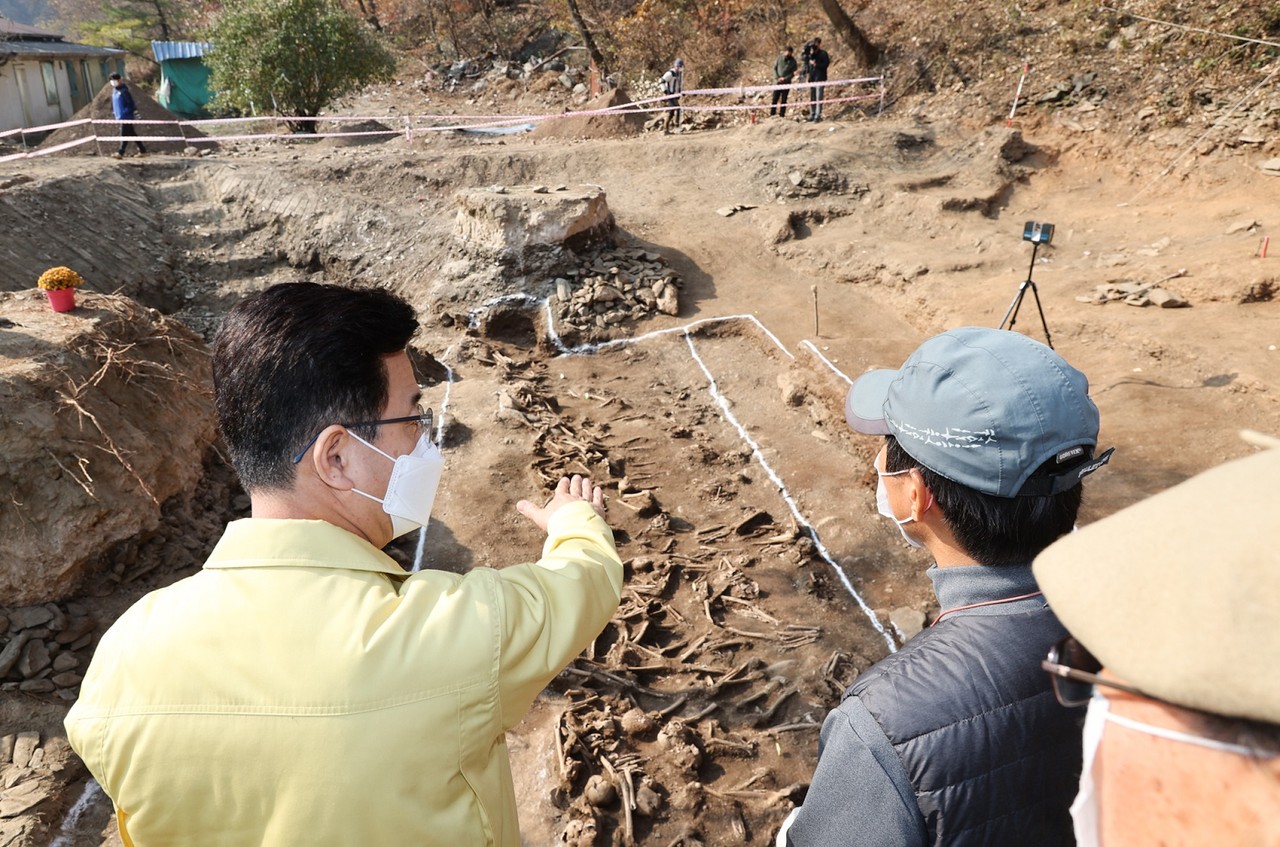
(1037, 233)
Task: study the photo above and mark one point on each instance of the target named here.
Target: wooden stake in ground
(814, 290)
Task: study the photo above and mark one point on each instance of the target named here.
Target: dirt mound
(100, 109)
(363, 126)
(619, 125)
(88, 462)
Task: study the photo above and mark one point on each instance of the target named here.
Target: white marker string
(444, 411)
(786, 495)
(686, 330)
(473, 315)
(826, 361)
(588, 349)
(66, 832)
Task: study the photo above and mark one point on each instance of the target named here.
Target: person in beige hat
(1173, 606)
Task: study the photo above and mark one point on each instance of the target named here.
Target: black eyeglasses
(424, 421)
(1075, 672)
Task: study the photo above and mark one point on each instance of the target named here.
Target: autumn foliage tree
(292, 57)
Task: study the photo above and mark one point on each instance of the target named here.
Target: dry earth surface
(759, 579)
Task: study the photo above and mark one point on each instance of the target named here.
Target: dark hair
(114, 76)
(995, 530)
(296, 358)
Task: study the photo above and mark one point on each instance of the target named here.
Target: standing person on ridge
(784, 70)
(672, 86)
(816, 65)
(956, 740)
(122, 106)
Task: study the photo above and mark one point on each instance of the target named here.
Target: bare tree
(597, 57)
(369, 11)
(864, 52)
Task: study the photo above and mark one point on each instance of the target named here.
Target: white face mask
(1084, 809)
(411, 491)
(883, 507)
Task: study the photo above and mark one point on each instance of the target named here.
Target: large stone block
(509, 222)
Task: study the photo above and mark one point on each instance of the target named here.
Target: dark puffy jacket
(994, 759)
(122, 104)
(819, 61)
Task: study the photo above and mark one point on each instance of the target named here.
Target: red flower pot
(62, 299)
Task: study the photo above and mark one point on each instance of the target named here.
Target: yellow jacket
(303, 689)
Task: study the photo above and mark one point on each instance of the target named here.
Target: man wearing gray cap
(957, 739)
(1179, 598)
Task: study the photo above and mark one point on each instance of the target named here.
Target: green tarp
(184, 79)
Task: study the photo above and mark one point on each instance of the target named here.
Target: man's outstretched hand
(567, 491)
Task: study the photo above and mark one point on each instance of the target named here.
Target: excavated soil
(759, 579)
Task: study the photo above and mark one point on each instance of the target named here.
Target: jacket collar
(967, 584)
(266, 543)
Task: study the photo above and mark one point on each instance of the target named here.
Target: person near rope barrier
(784, 71)
(816, 63)
(672, 86)
(956, 739)
(124, 109)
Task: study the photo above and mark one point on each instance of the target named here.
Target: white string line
(66, 832)
(826, 361)
(786, 495)
(444, 411)
(473, 314)
(589, 349)
(1190, 28)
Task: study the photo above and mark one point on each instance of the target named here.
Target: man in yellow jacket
(303, 688)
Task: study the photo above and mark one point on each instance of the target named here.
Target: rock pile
(45, 649)
(610, 287)
(32, 775)
(1133, 294)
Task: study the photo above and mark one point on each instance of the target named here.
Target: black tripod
(1012, 315)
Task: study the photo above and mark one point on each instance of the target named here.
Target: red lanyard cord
(986, 603)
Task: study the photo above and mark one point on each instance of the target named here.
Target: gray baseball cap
(985, 408)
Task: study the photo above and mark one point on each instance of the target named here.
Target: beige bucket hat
(1180, 594)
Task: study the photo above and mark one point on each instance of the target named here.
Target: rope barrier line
(651, 105)
(49, 127)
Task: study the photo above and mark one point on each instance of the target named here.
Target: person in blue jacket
(124, 109)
